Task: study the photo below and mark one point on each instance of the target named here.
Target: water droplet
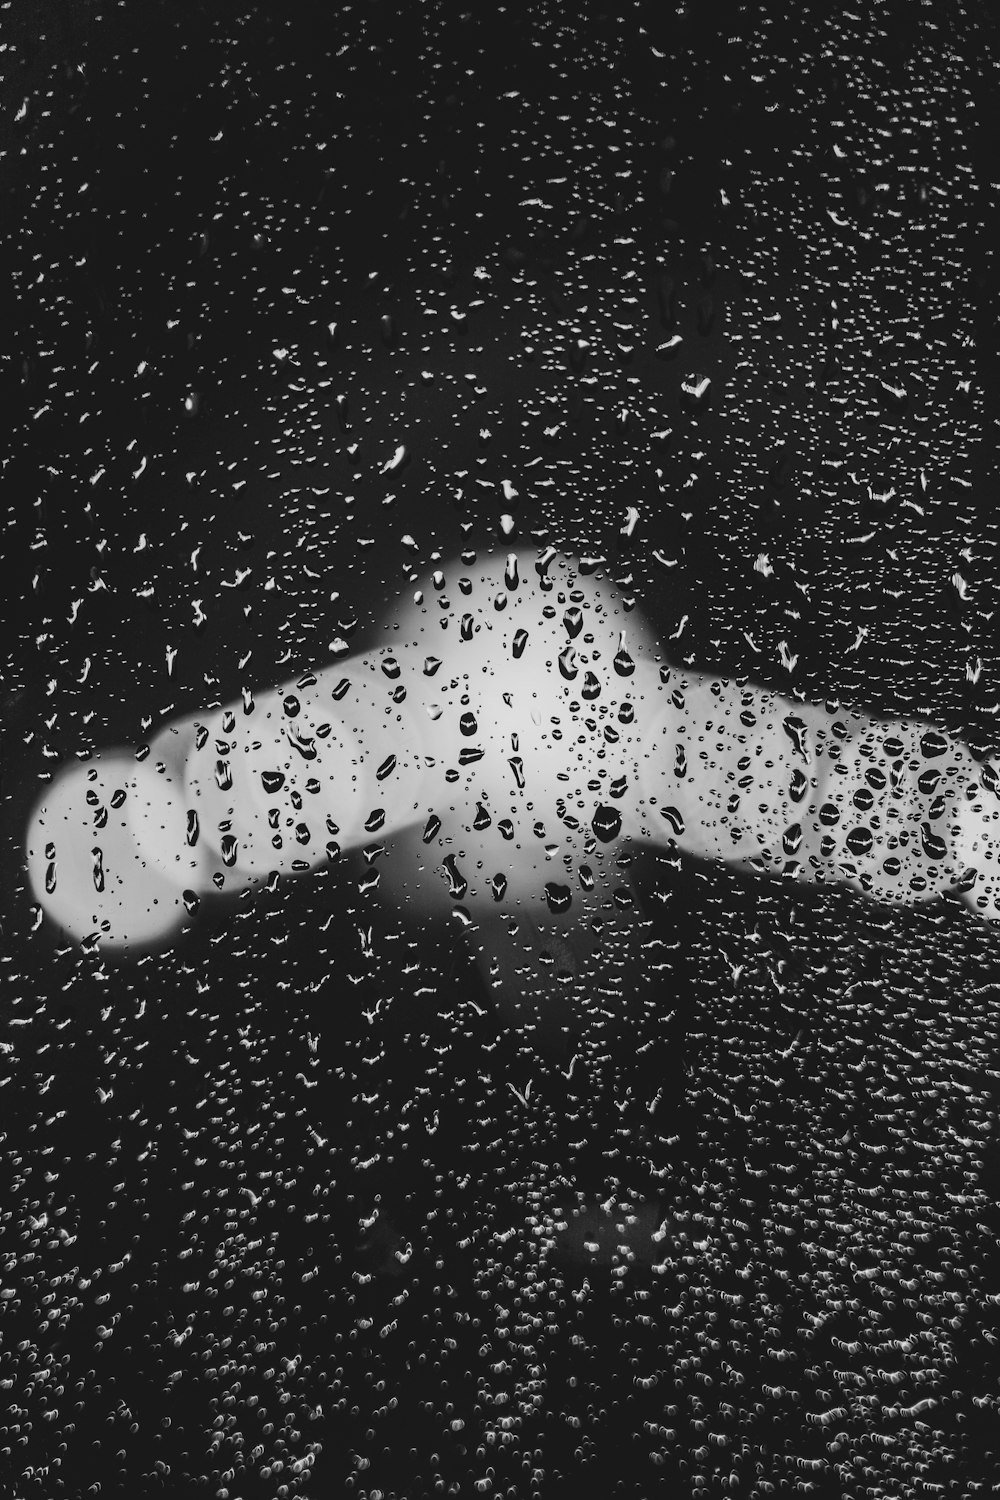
(606, 823)
(542, 564)
(795, 728)
(934, 847)
(558, 897)
(458, 885)
(673, 816)
(305, 746)
(520, 641)
(695, 390)
(623, 663)
(567, 663)
(799, 785)
(792, 838)
(670, 347)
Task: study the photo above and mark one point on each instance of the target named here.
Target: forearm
(517, 729)
(895, 808)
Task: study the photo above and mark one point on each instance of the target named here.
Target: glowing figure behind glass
(522, 722)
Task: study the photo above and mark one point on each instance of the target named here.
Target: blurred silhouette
(519, 730)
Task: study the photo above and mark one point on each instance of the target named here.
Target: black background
(188, 189)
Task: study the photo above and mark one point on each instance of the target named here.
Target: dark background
(506, 212)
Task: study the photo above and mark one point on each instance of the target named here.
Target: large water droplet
(606, 823)
(558, 897)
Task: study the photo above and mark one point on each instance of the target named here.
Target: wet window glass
(499, 751)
